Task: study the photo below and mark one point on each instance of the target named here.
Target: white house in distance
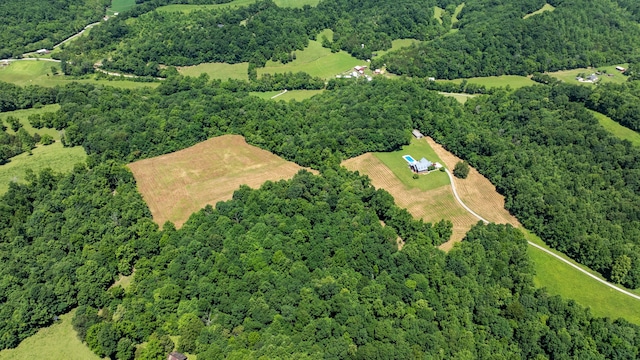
(42, 52)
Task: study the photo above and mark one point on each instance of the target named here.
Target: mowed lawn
(428, 198)
(562, 279)
(39, 72)
(297, 95)
(616, 129)
(514, 81)
(221, 71)
(316, 61)
(569, 76)
(178, 184)
(53, 156)
(545, 7)
(58, 341)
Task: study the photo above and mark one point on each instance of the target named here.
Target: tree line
(492, 38)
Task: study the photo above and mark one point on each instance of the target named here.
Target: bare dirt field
(431, 206)
(178, 184)
(476, 191)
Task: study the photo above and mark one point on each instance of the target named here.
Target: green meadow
(616, 129)
(53, 156)
(297, 95)
(417, 149)
(462, 98)
(514, 81)
(316, 61)
(118, 6)
(569, 76)
(186, 8)
(39, 72)
(545, 7)
(561, 279)
(220, 71)
(437, 13)
(58, 341)
(397, 45)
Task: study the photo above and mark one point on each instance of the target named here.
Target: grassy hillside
(616, 129)
(220, 71)
(58, 341)
(297, 95)
(514, 81)
(316, 61)
(39, 72)
(545, 7)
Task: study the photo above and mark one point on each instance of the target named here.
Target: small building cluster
(589, 79)
(422, 166)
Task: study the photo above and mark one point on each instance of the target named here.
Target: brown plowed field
(431, 206)
(476, 191)
(178, 184)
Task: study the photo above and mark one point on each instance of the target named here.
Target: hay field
(514, 81)
(178, 184)
(430, 205)
(220, 71)
(476, 191)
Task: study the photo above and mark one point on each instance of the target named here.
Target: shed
(176, 356)
(417, 134)
(620, 68)
(42, 51)
(422, 165)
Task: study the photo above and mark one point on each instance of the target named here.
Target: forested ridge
(255, 33)
(304, 268)
(494, 39)
(28, 25)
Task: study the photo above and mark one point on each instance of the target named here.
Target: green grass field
(120, 6)
(616, 129)
(561, 279)
(31, 72)
(297, 95)
(316, 61)
(514, 81)
(462, 98)
(220, 71)
(53, 156)
(185, 8)
(58, 341)
(454, 18)
(417, 149)
(437, 13)
(326, 32)
(24, 114)
(397, 45)
(569, 76)
(545, 7)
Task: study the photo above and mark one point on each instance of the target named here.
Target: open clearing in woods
(430, 198)
(58, 341)
(559, 278)
(178, 184)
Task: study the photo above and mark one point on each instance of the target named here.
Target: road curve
(455, 194)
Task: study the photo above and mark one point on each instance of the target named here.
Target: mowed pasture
(178, 184)
(118, 6)
(221, 71)
(428, 198)
(58, 341)
(617, 130)
(545, 7)
(39, 72)
(315, 61)
(54, 156)
(513, 81)
(297, 95)
(569, 76)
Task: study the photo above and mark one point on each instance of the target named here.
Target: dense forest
(28, 25)
(255, 33)
(494, 39)
(620, 102)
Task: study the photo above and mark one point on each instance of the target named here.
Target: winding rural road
(76, 35)
(455, 194)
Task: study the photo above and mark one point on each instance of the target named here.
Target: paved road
(455, 194)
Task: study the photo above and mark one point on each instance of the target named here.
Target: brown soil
(178, 184)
